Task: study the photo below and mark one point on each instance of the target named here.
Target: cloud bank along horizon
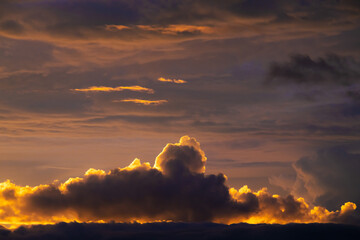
(175, 188)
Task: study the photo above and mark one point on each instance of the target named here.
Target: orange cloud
(174, 189)
(113, 27)
(114, 89)
(179, 81)
(175, 29)
(142, 101)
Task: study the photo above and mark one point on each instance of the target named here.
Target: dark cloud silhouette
(302, 69)
(175, 189)
(181, 231)
(330, 176)
(326, 178)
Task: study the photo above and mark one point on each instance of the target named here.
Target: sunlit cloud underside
(175, 188)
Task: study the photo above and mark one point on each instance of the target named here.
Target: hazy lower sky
(270, 89)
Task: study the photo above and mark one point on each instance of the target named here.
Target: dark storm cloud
(302, 69)
(331, 176)
(180, 231)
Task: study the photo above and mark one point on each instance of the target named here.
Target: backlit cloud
(114, 89)
(326, 178)
(174, 189)
(75, 93)
(179, 81)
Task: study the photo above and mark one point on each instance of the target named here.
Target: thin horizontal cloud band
(178, 81)
(142, 101)
(134, 88)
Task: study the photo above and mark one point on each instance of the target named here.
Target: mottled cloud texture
(176, 188)
(302, 69)
(140, 20)
(325, 178)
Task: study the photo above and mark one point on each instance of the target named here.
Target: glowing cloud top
(175, 189)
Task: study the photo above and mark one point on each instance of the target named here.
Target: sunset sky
(267, 91)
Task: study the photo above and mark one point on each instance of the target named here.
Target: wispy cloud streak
(143, 101)
(114, 89)
(178, 81)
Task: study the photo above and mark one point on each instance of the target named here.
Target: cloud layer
(175, 189)
(165, 19)
(179, 231)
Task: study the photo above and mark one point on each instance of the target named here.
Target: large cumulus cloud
(175, 189)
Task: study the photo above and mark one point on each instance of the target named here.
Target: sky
(263, 93)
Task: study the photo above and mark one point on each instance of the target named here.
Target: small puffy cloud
(114, 89)
(178, 81)
(174, 189)
(142, 101)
